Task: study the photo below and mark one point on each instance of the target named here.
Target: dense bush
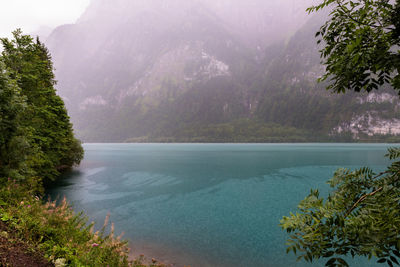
(63, 236)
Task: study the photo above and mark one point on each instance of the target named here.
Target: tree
(361, 44)
(52, 142)
(14, 147)
(361, 216)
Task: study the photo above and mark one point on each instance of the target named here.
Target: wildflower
(4, 234)
(95, 245)
(60, 262)
(22, 203)
(28, 206)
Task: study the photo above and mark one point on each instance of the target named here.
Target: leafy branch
(323, 227)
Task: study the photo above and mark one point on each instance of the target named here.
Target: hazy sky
(29, 15)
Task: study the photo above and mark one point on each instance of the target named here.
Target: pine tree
(14, 144)
(53, 144)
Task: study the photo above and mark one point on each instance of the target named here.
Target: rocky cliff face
(374, 122)
(156, 68)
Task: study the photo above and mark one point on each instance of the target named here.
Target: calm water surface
(207, 204)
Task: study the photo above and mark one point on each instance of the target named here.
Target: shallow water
(208, 204)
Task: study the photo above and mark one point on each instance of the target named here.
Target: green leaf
(342, 262)
(329, 254)
(393, 259)
(396, 252)
(330, 262)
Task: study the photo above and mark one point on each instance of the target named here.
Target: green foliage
(359, 218)
(62, 235)
(242, 130)
(42, 124)
(36, 144)
(361, 44)
(13, 136)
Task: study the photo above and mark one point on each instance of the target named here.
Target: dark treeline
(36, 137)
(37, 144)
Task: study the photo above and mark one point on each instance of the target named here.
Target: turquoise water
(207, 204)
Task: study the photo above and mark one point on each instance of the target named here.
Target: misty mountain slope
(199, 71)
(292, 97)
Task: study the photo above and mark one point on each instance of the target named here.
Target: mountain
(215, 71)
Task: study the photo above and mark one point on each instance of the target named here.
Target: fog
(259, 20)
(193, 70)
(131, 67)
(39, 16)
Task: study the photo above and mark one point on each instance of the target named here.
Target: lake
(208, 204)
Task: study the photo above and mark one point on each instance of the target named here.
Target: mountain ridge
(182, 70)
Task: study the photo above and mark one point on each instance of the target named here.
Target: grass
(61, 235)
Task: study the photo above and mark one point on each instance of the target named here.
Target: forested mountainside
(207, 71)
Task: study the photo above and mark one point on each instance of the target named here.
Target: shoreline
(150, 254)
